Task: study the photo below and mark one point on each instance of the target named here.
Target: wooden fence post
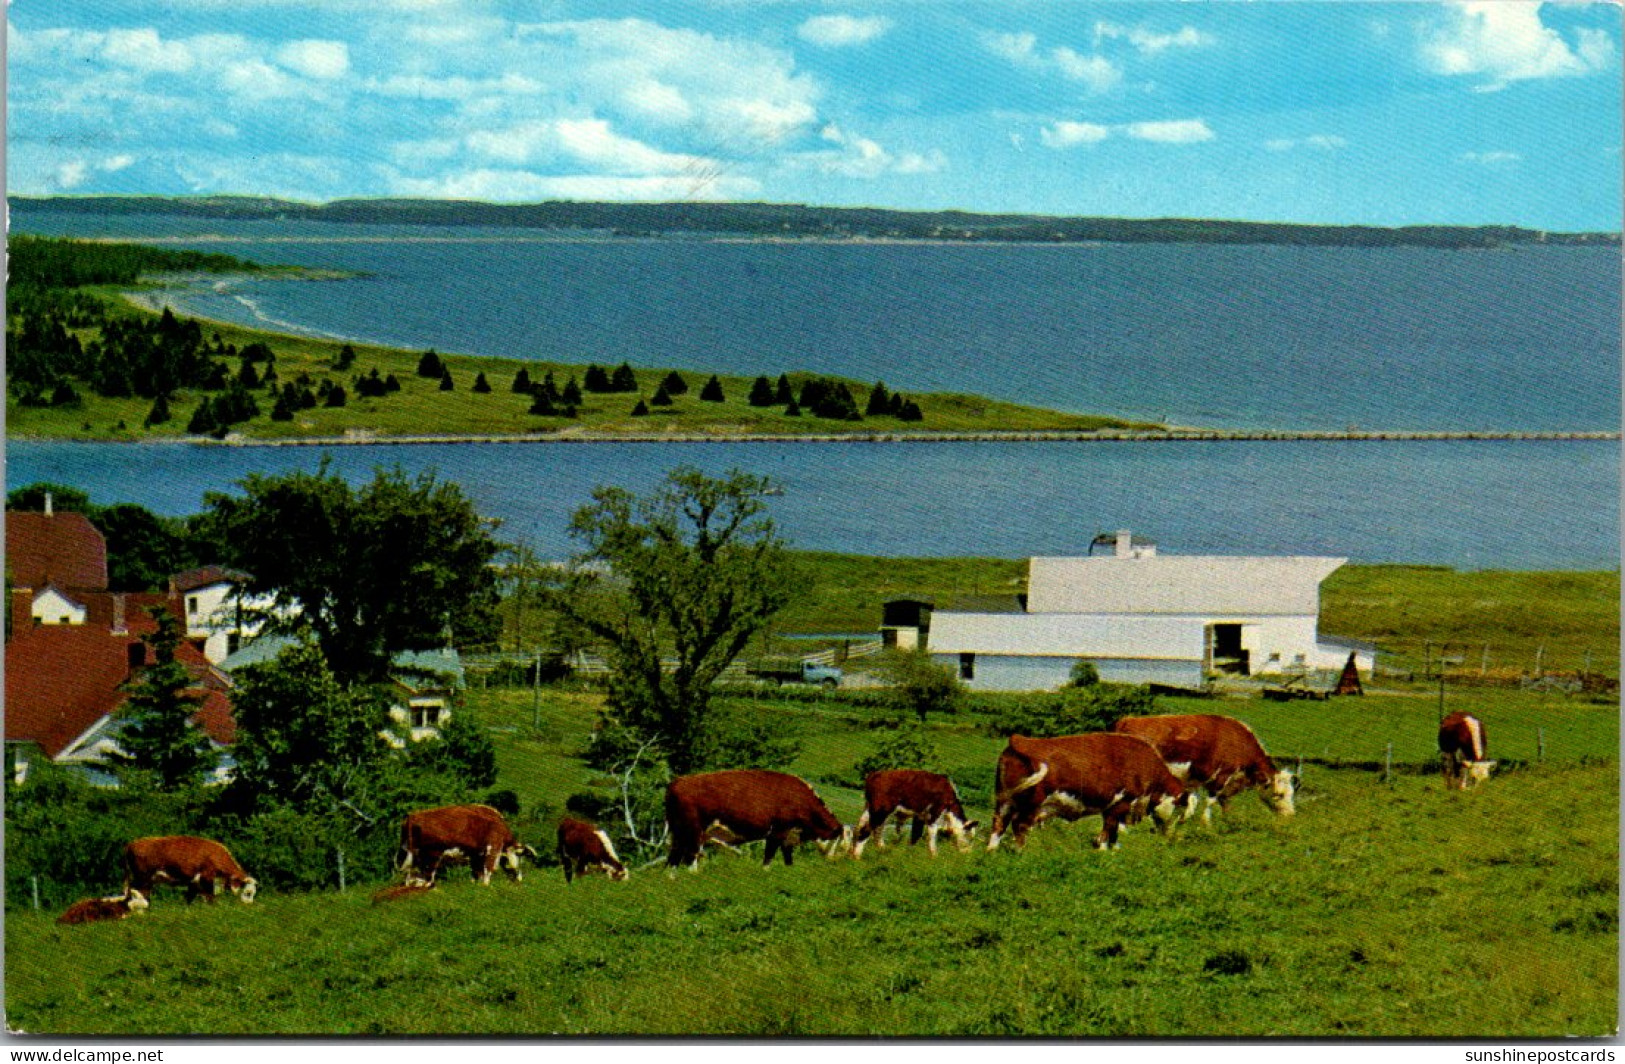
(1388, 765)
(33, 881)
(1540, 744)
(341, 870)
(1540, 652)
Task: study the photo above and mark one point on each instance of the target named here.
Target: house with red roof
(52, 561)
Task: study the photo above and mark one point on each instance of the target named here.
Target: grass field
(1390, 909)
(421, 408)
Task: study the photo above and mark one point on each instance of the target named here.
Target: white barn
(1141, 617)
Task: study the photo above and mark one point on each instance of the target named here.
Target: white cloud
(1065, 134)
(424, 87)
(862, 157)
(1183, 131)
(1491, 158)
(1095, 71)
(1151, 42)
(1320, 141)
(520, 185)
(1503, 42)
(323, 60)
(842, 31)
(144, 50)
(592, 142)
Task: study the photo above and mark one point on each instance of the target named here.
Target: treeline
(47, 262)
(801, 221)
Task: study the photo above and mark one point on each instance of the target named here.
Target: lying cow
(399, 891)
(116, 907)
(1118, 777)
(1219, 755)
(1462, 747)
(475, 833)
(200, 865)
(743, 805)
(925, 800)
(584, 849)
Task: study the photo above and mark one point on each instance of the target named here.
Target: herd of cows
(1160, 766)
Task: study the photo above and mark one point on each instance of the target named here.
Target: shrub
(903, 746)
(1084, 674)
(918, 684)
(1073, 710)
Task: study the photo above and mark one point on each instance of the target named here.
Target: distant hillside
(802, 222)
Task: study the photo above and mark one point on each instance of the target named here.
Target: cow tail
(1026, 783)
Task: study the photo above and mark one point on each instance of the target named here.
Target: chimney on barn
(1127, 546)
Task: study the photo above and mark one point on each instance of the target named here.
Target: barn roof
(1179, 584)
(63, 679)
(64, 549)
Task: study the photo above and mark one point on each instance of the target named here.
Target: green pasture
(1395, 910)
(421, 408)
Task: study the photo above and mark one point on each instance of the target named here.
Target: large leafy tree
(158, 736)
(673, 585)
(303, 738)
(370, 571)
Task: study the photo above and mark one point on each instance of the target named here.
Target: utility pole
(536, 692)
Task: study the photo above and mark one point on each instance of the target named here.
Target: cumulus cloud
(1499, 43)
(1064, 134)
(1150, 42)
(579, 142)
(862, 157)
(1184, 131)
(519, 185)
(322, 60)
(1096, 72)
(842, 31)
(1071, 134)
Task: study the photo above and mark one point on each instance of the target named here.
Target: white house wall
(212, 614)
(50, 606)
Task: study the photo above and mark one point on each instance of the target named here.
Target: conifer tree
(781, 392)
(879, 401)
(445, 381)
(641, 410)
(481, 385)
(429, 365)
(337, 396)
(247, 377)
(521, 381)
(159, 412)
(660, 398)
(712, 392)
(623, 380)
(572, 393)
(761, 393)
(346, 358)
(283, 410)
(391, 384)
(597, 380)
(675, 384)
(542, 403)
(158, 735)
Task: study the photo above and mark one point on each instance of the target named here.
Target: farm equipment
(796, 672)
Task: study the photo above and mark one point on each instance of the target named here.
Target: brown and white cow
(116, 907)
(583, 848)
(1219, 755)
(1118, 777)
(200, 865)
(926, 800)
(1462, 747)
(743, 805)
(475, 833)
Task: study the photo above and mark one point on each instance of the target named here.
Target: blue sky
(1336, 112)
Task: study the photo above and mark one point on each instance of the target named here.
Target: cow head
(836, 845)
(1278, 792)
(508, 860)
(246, 889)
(963, 832)
(134, 901)
(1170, 809)
(1476, 772)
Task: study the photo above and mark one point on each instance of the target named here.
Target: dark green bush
(1071, 710)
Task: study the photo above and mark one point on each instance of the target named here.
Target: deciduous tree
(690, 571)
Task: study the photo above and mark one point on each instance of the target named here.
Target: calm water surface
(1243, 337)
(1550, 505)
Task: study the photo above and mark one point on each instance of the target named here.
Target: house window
(64, 619)
(425, 716)
(967, 666)
(191, 605)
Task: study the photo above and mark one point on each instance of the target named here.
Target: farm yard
(1388, 907)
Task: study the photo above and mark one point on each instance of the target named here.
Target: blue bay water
(1238, 337)
(1467, 504)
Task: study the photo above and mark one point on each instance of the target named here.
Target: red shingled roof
(64, 549)
(62, 679)
(207, 576)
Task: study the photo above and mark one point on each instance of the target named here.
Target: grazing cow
(583, 849)
(399, 891)
(475, 833)
(743, 805)
(1119, 777)
(116, 907)
(1220, 755)
(926, 799)
(200, 865)
(1462, 747)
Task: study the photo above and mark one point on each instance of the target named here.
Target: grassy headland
(78, 374)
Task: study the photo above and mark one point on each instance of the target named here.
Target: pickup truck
(796, 672)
